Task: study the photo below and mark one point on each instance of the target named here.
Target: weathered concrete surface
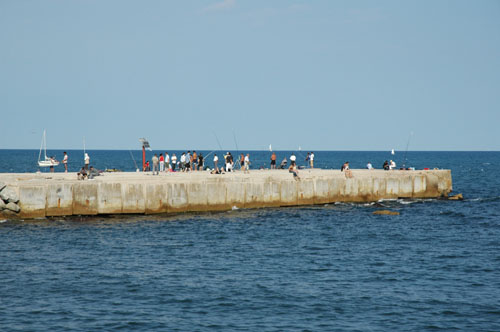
(42, 195)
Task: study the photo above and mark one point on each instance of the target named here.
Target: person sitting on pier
(386, 165)
(93, 173)
(82, 175)
(283, 163)
(345, 168)
(229, 162)
(292, 169)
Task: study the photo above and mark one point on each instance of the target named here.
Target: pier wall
(45, 195)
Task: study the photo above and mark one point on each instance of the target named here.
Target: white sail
(392, 152)
(270, 148)
(46, 161)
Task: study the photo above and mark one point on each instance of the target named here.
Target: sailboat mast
(45, 144)
(41, 145)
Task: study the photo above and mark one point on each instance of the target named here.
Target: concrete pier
(61, 194)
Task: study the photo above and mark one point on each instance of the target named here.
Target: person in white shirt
(183, 162)
(292, 159)
(247, 163)
(174, 161)
(167, 162)
(369, 165)
(392, 164)
(87, 161)
(65, 162)
(311, 159)
(216, 160)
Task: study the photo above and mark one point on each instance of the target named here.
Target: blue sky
(322, 75)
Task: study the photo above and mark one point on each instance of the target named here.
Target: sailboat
(392, 152)
(46, 162)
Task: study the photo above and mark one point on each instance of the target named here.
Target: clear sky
(322, 75)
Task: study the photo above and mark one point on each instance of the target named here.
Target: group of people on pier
(186, 162)
(194, 162)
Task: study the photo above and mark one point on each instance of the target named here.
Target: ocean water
(336, 267)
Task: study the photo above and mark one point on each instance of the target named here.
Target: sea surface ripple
(334, 267)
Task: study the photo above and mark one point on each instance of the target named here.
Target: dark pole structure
(145, 145)
(143, 158)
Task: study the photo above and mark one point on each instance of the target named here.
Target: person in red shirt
(162, 163)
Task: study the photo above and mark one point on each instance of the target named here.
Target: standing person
(167, 162)
(292, 159)
(229, 162)
(174, 162)
(311, 159)
(86, 160)
(65, 162)
(247, 163)
(200, 161)
(194, 161)
(226, 157)
(53, 162)
(182, 164)
(155, 164)
(162, 163)
(273, 161)
(189, 160)
(216, 160)
(242, 162)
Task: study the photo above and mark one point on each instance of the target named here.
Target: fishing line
(220, 146)
(407, 145)
(238, 164)
(137, 168)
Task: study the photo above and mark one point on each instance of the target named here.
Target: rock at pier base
(458, 197)
(386, 212)
(13, 207)
(9, 195)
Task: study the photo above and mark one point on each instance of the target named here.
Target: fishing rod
(220, 146)
(406, 151)
(209, 154)
(301, 155)
(237, 150)
(136, 168)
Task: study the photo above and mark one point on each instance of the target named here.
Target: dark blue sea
(336, 267)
